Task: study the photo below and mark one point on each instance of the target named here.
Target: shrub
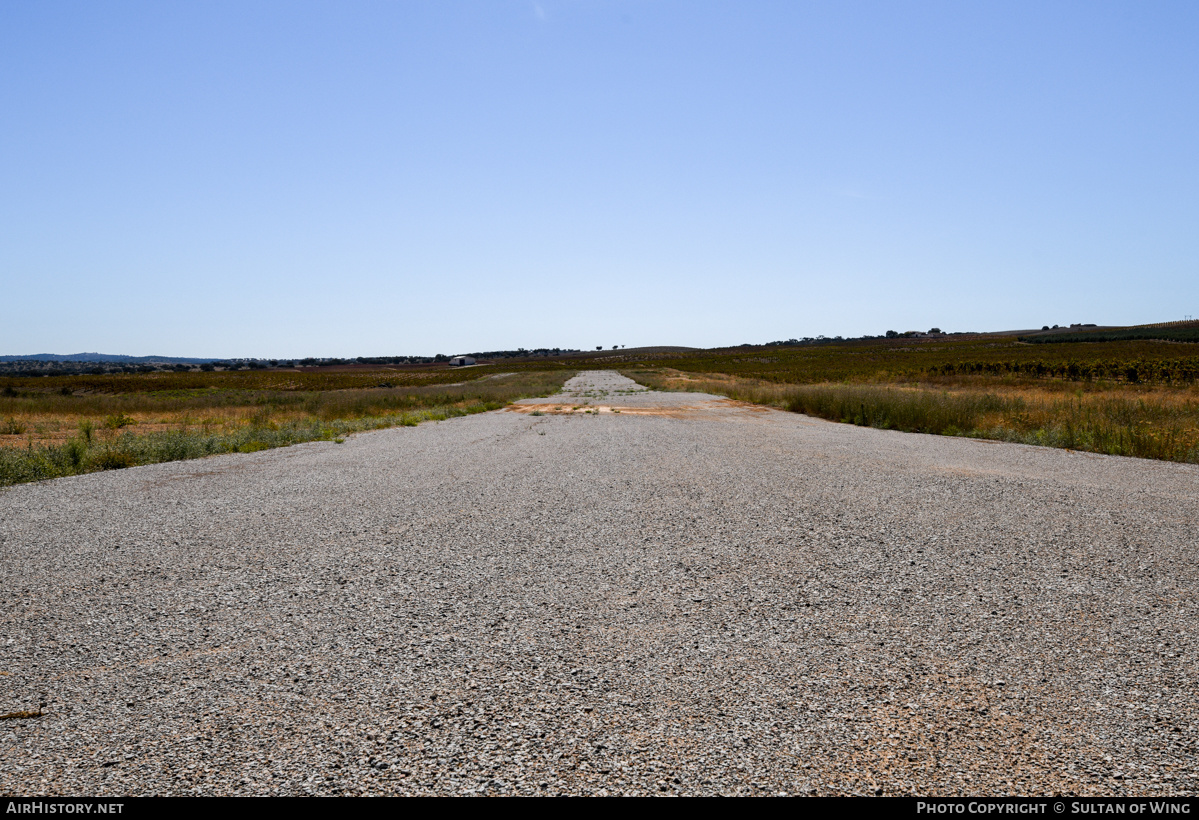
(75, 451)
(118, 421)
(114, 460)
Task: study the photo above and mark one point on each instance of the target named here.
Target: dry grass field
(1115, 392)
(1142, 420)
(76, 428)
(1131, 392)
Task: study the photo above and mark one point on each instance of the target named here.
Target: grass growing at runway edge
(51, 436)
(1142, 421)
(1121, 391)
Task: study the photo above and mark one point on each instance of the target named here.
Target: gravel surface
(654, 593)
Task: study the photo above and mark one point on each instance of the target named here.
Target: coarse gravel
(652, 593)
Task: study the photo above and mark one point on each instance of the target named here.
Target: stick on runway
(672, 593)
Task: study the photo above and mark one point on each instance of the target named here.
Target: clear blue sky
(291, 179)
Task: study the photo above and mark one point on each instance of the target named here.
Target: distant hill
(103, 357)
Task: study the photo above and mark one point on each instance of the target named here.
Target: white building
(461, 361)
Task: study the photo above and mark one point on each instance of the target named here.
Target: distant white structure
(461, 361)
